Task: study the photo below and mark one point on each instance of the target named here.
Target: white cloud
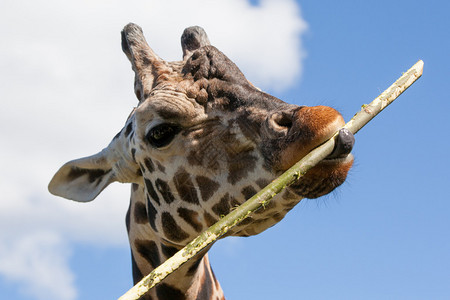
(67, 89)
(41, 256)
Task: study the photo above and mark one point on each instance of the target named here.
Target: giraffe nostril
(281, 121)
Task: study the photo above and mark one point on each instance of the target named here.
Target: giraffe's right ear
(83, 179)
(146, 65)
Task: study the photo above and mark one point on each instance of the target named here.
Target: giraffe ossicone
(201, 141)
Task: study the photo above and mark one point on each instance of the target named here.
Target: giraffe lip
(338, 160)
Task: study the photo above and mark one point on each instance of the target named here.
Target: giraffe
(201, 141)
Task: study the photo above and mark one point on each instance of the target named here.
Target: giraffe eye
(161, 135)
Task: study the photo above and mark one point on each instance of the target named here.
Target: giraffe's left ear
(83, 179)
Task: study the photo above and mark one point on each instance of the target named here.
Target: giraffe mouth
(330, 172)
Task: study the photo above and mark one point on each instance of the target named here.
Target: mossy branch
(210, 235)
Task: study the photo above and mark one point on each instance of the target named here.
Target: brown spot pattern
(210, 220)
(225, 204)
(192, 269)
(161, 168)
(149, 251)
(151, 191)
(249, 128)
(149, 165)
(140, 213)
(239, 165)
(262, 183)
(168, 251)
(171, 228)
(128, 129)
(165, 291)
(185, 186)
(248, 192)
(207, 187)
(151, 214)
(191, 217)
(137, 274)
(206, 155)
(164, 189)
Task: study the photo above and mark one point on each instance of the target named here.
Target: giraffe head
(202, 140)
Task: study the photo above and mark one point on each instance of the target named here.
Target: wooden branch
(262, 198)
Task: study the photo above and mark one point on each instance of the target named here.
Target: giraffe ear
(83, 179)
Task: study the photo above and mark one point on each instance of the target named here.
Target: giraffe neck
(194, 280)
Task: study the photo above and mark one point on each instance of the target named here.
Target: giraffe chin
(323, 178)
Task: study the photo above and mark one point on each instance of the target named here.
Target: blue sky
(383, 235)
